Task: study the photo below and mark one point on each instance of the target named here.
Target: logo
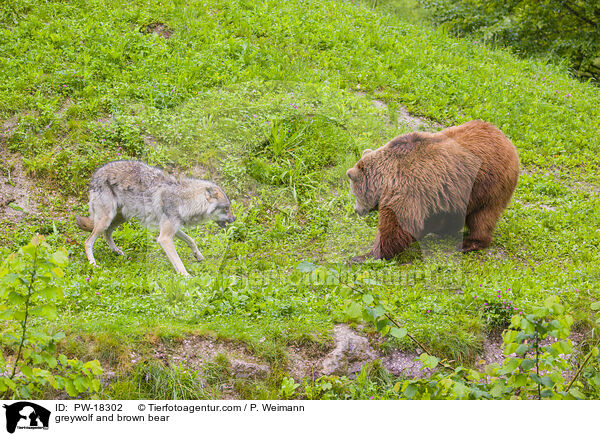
(26, 415)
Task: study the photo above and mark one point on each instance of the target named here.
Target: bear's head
(365, 184)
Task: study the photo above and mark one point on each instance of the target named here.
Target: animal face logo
(26, 415)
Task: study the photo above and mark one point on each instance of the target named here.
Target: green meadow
(274, 101)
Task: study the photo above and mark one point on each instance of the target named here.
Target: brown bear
(436, 182)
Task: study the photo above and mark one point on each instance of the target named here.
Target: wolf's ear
(367, 151)
(352, 173)
(211, 192)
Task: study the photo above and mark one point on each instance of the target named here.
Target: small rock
(251, 370)
(351, 352)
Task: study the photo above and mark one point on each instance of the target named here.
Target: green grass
(262, 96)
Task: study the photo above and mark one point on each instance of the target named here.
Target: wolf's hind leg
(100, 226)
(116, 222)
(190, 243)
(165, 239)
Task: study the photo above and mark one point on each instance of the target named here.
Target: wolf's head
(220, 207)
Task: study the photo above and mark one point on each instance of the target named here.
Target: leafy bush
(569, 29)
(27, 295)
(536, 348)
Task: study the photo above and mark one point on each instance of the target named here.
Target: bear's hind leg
(481, 224)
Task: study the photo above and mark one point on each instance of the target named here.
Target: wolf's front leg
(190, 243)
(165, 239)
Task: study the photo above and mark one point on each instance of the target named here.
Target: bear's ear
(352, 173)
(367, 151)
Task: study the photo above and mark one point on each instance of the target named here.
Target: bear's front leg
(391, 238)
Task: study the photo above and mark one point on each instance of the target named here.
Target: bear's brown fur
(436, 182)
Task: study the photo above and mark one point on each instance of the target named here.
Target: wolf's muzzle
(224, 223)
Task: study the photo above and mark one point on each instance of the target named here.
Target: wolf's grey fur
(122, 190)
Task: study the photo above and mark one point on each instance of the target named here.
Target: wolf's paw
(199, 256)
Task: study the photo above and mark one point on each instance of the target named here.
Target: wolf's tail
(85, 223)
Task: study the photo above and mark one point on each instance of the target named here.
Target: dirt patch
(587, 188)
(405, 118)
(351, 350)
(16, 190)
(493, 353)
(543, 207)
(416, 123)
(350, 353)
(403, 364)
(64, 107)
(159, 29)
(304, 364)
(197, 350)
(150, 141)
(8, 127)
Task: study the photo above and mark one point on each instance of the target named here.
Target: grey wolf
(122, 190)
(436, 182)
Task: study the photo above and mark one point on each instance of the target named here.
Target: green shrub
(29, 362)
(567, 29)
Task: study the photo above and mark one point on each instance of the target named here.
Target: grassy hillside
(274, 100)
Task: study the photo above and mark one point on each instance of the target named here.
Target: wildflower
(97, 293)
(428, 310)
(118, 154)
(87, 279)
(475, 296)
(568, 95)
(295, 107)
(485, 304)
(372, 398)
(268, 123)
